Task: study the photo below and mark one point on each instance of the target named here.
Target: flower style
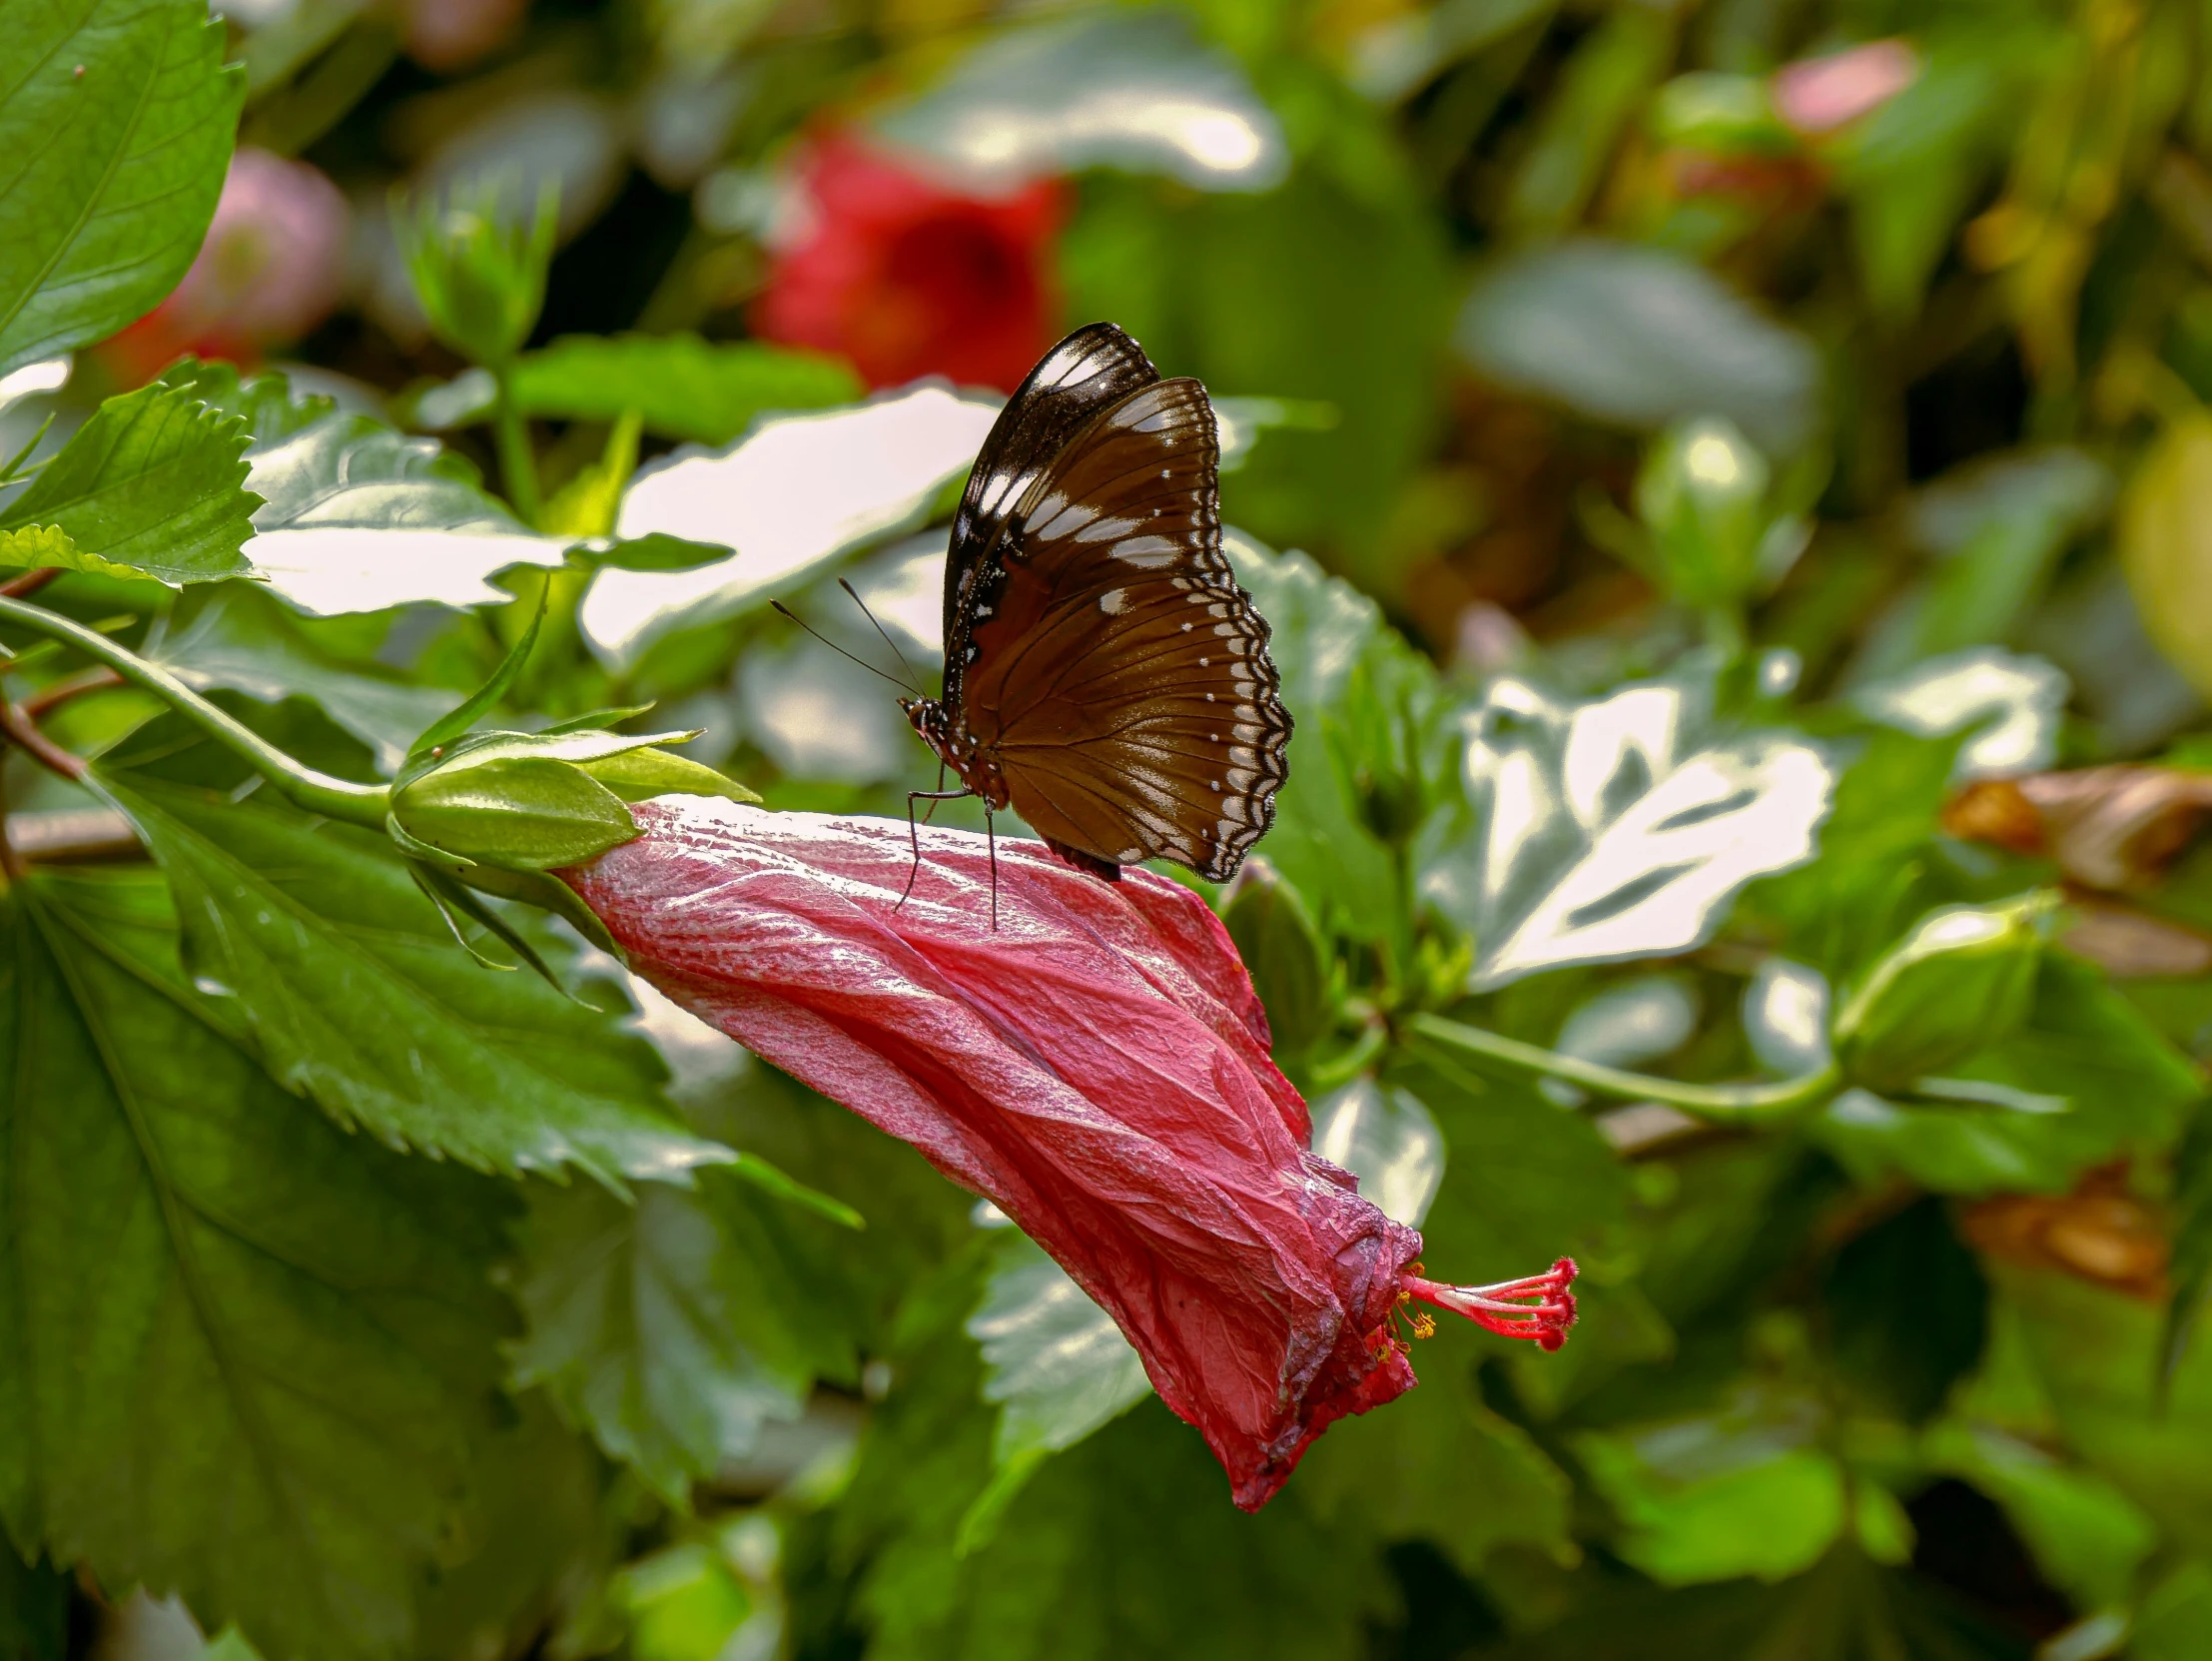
(906, 276)
(270, 270)
(1096, 1065)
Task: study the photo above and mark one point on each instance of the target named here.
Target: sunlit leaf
(789, 496)
(1388, 1139)
(2008, 706)
(1623, 827)
(1133, 90)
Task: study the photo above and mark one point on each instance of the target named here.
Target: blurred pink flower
(1096, 1064)
(906, 278)
(270, 270)
(453, 34)
(1818, 95)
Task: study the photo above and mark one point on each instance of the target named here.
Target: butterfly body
(1105, 674)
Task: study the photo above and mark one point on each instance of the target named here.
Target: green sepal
(455, 722)
(1961, 979)
(452, 896)
(594, 720)
(641, 774)
(447, 914)
(547, 893)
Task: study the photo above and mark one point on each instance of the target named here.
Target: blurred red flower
(906, 276)
(1096, 1065)
(270, 270)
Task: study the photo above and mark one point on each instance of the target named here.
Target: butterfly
(1105, 675)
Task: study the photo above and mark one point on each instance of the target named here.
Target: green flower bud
(518, 812)
(524, 801)
(478, 269)
(1959, 982)
(1702, 496)
(1281, 950)
(1727, 115)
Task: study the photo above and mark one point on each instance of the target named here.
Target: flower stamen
(1540, 1307)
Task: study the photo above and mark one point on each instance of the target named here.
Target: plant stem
(334, 798)
(517, 462)
(1733, 1104)
(30, 582)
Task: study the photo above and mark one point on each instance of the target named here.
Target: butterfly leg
(914, 832)
(991, 836)
(943, 796)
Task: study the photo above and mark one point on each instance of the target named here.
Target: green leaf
(116, 122)
(550, 1535)
(1362, 703)
(152, 485)
(348, 981)
(671, 1330)
(34, 1610)
(237, 635)
(288, 1329)
(2094, 1352)
(1846, 1609)
(267, 404)
(1124, 1545)
(1439, 1465)
(1053, 1361)
(1745, 1491)
(681, 386)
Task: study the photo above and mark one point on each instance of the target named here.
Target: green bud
(1727, 115)
(1959, 982)
(478, 269)
(1281, 950)
(1702, 496)
(522, 802)
(526, 813)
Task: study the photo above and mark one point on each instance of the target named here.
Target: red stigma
(1539, 1307)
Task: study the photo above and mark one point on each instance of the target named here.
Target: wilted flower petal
(1096, 1065)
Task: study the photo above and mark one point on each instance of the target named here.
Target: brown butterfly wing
(1120, 677)
(1093, 370)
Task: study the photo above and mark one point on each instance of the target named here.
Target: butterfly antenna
(786, 611)
(916, 686)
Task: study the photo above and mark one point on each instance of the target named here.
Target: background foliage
(1752, 470)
